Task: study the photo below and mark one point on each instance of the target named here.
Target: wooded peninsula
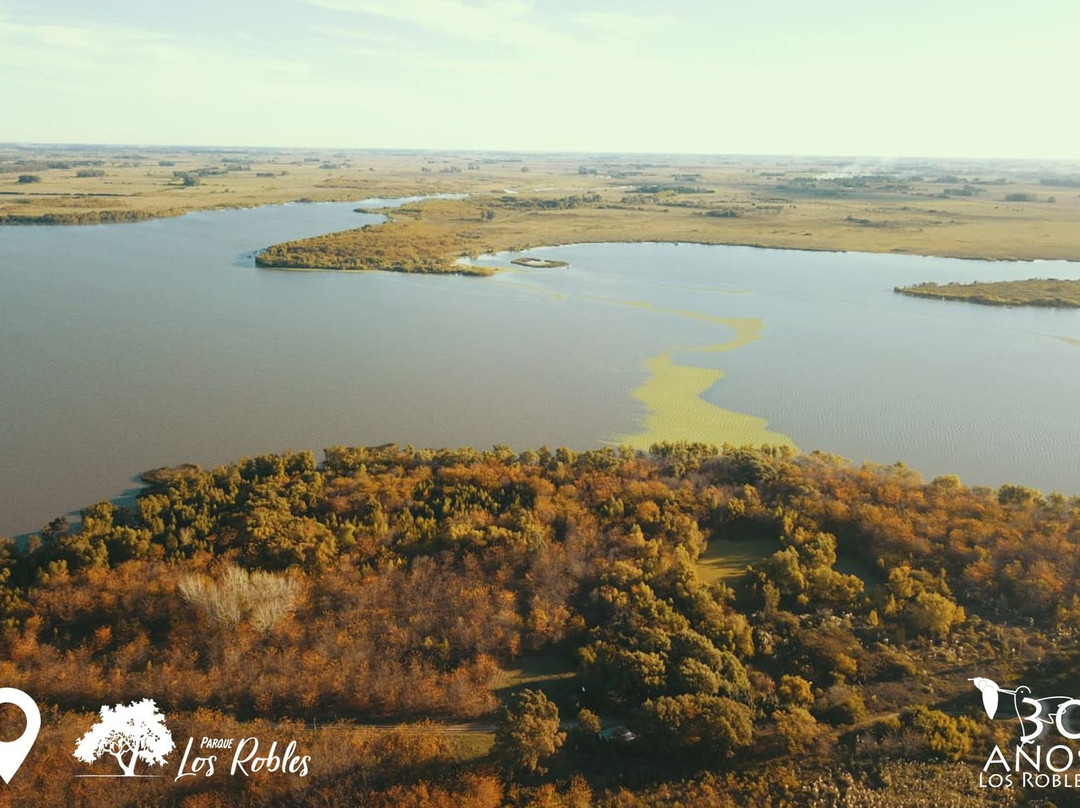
(686, 626)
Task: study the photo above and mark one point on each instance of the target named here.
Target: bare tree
(262, 598)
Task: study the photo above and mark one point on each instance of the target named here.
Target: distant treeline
(1048, 292)
(87, 217)
(661, 188)
(43, 165)
(1071, 181)
(561, 203)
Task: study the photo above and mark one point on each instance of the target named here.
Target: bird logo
(1040, 716)
(990, 692)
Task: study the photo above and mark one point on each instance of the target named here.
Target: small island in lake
(539, 263)
(1029, 292)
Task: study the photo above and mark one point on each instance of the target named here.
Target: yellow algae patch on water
(1068, 340)
(719, 290)
(747, 329)
(677, 412)
(536, 288)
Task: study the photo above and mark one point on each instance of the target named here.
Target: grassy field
(1030, 292)
(964, 209)
(726, 560)
(552, 672)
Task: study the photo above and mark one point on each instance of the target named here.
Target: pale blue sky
(967, 78)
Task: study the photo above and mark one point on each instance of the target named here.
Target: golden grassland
(431, 235)
(971, 210)
(148, 183)
(1029, 292)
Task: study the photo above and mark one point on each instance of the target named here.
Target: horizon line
(28, 144)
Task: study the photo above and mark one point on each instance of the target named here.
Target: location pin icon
(13, 753)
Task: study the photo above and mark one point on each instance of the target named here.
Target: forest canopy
(394, 584)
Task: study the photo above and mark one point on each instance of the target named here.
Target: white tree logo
(129, 733)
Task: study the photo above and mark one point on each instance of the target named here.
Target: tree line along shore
(1048, 292)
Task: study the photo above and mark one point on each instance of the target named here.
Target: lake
(127, 347)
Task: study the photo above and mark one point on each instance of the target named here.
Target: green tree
(586, 734)
(934, 614)
(705, 725)
(528, 732)
(795, 691)
(945, 737)
(798, 728)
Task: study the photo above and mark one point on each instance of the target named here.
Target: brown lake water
(127, 347)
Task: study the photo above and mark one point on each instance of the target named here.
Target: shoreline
(121, 217)
(432, 234)
(702, 243)
(786, 248)
(107, 217)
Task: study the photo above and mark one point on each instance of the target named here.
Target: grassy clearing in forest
(554, 673)
(726, 560)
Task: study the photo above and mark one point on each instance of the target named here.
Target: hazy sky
(978, 78)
